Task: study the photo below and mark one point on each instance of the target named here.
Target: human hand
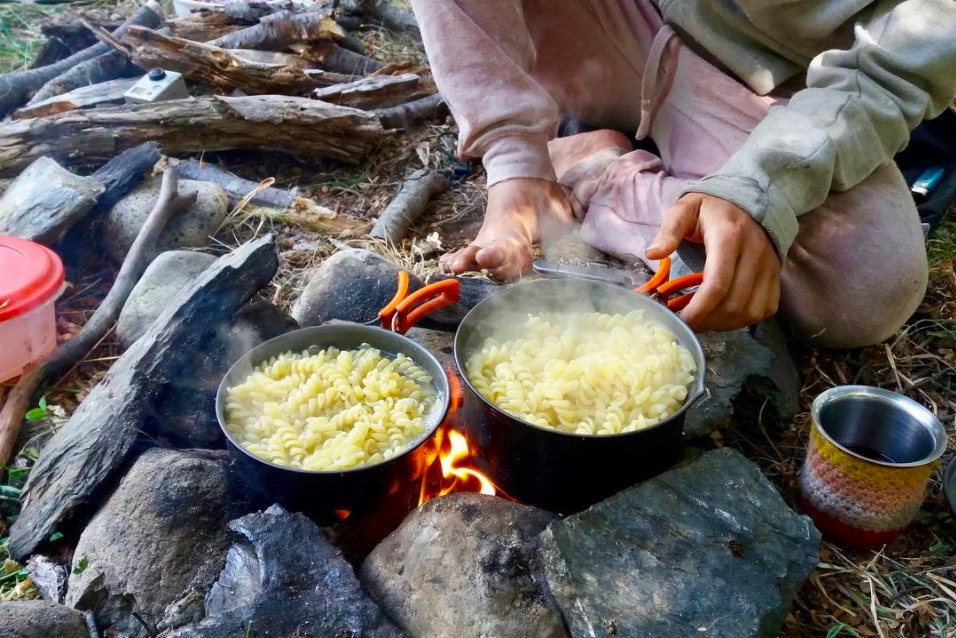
(519, 212)
(742, 270)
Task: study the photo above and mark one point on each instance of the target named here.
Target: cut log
(69, 353)
(220, 67)
(333, 57)
(405, 115)
(411, 201)
(85, 97)
(298, 126)
(375, 92)
(237, 187)
(76, 467)
(16, 87)
(45, 201)
(203, 26)
(280, 30)
(119, 175)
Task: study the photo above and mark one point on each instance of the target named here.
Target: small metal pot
(550, 469)
(321, 493)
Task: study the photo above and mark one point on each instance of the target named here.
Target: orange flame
(457, 472)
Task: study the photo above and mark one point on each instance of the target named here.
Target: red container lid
(30, 275)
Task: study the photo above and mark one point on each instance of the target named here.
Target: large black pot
(320, 493)
(553, 470)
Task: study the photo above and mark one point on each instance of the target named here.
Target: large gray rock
(39, 619)
(707, 549)
(169, 273)
(733, 359)
(190, 228)
(81, 458)
(286, 579)
(464, 565)
(45, 201)
(162, 534)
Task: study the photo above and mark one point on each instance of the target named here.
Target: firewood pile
(287, 78)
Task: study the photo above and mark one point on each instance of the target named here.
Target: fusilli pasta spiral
(331, 410)
(585, 372)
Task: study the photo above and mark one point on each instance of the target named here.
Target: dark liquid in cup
(870, 453)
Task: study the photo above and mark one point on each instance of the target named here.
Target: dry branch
(220, 67)
(405, 115)
(15, 88)
(280, 30)
(119, 175)
(298, 126)
(72, 351)
(252, 12)
(236, 186)
(411, 201)
(81, 98)
(390, 16)
(374, 92)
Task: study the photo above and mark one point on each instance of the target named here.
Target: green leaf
(36, 414)
(55, 536)
(43, 403)
(81, 565)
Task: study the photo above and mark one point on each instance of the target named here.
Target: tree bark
(81, 98)
(411, 201)
(16, 87)
(298, 126)
(119, 175)
(236, 186)
(220, 67)
(278, 31)
(374, 92)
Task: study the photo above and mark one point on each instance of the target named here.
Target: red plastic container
(31, 279)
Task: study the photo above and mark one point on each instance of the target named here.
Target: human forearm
(481, 55)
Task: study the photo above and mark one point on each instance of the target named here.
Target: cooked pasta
(585, 372)
(330, 410)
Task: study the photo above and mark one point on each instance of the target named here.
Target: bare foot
(520, 211)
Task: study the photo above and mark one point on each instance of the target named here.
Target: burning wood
(306, 128)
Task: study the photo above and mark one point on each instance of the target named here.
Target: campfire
(457, 472)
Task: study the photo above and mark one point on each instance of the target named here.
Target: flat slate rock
(45, 201)
(706, 549)
(169, 272)
(40, 619)
(464, 565)
(100, 437)
(286, 579)
(162, 534)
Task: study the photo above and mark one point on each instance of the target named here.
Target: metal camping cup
(870, 455)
